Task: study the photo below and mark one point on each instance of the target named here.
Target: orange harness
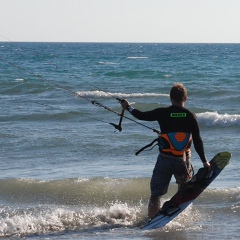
(175, 143)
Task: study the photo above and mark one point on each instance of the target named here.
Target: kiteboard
(190, 191)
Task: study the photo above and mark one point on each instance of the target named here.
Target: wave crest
(215, 119)
(102, 94)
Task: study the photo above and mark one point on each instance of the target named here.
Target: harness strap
(147, 146)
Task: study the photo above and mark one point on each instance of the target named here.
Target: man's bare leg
(153, 206)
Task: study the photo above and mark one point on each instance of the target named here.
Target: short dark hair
(178, 93)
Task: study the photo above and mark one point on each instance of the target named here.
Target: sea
(67, 173)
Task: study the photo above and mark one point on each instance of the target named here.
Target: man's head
(178, 93)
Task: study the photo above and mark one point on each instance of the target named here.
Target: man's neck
(178, 104)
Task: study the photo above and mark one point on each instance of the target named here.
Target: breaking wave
(103, 94)
(211, 119)
(34, 207)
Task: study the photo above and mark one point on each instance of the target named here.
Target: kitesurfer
(179, 128)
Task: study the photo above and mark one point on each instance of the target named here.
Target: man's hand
(125, 104)
(207, 165)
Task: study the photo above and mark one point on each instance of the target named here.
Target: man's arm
(145, 116)
(198, 145)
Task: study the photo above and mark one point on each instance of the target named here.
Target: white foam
(215, 119)
(117, 213)
(184, 219)
(36, 220)
(80, 180)
(108, 63)
(22, 222)
(136, 57)
(121, 95)
(19, 80)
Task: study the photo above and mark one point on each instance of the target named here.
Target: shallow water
(66, 173)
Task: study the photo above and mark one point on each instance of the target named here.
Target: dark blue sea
(66, 173)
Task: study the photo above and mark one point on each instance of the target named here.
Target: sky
(159, 21)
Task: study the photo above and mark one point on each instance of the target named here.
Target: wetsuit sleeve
(146, 116)
(197, 142)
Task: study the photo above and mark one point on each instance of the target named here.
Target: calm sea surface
(66, 173)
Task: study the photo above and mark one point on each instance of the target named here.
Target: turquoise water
(66, 173)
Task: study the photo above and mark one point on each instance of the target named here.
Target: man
(179, 128)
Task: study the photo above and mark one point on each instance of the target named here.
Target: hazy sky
(120, 20)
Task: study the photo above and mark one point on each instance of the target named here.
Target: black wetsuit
(175, 119)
